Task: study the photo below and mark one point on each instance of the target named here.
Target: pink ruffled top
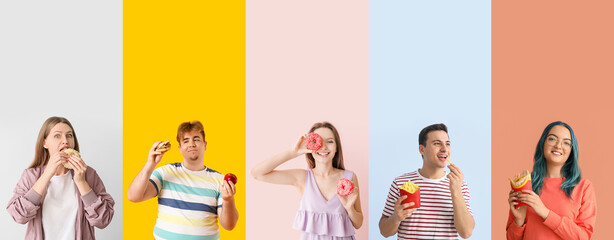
(320, 217)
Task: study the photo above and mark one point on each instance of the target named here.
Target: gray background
(61, 59)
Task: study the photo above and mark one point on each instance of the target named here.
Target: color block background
(429, 62)
(306, 62)
(552, 61)
(61, 59)
(183, 61)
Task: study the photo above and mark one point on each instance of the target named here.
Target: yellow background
(183, 61)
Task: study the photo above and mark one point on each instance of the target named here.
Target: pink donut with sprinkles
(344, 187)
(314, 141)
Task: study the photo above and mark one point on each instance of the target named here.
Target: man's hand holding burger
(141, 189)
(156, 152)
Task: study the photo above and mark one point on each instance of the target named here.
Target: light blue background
(429, 62)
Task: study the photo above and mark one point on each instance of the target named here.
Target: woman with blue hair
(562, 204)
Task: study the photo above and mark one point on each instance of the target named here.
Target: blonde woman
(55, 201)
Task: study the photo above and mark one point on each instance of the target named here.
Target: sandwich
(163, 146)
(70, 152)
(521, 181)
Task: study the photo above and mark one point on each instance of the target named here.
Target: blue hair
(570, 170)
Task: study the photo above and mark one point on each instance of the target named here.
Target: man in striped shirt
(191, 196)
(444, 211)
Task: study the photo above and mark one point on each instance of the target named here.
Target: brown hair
(41, 154)
(338, 158)
(188, 127)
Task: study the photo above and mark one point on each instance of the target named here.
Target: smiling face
(61, 136)
(192, 146)
(327, 152)
(557, 145)
(436, 149)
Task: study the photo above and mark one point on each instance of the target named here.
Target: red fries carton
(412, 191)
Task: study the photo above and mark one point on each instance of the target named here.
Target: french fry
(410, 187)
(412, 191)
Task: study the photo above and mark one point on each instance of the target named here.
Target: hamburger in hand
(163, 146)
(521, 181)
(70, 152)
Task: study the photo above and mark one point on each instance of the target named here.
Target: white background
(61, 59)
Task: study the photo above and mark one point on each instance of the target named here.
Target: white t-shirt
(60, 208)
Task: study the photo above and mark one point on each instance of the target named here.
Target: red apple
(230, 178)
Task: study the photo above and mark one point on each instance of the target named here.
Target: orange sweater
(568, 219)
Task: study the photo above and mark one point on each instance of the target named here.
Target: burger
(163, 146)
(70, 152)
(521, 181)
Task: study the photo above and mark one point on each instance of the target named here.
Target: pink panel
(306, 62)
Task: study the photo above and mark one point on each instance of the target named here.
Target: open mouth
(64, 147)
(556, 153)
(442, 157)
(321, 154)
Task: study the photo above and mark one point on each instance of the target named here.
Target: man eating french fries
(442, 209)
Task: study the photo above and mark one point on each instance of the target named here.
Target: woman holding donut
(323, 212)
(562, 204)
(55, 201)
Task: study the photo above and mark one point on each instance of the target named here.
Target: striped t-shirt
(188, 202)
(435, 217)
